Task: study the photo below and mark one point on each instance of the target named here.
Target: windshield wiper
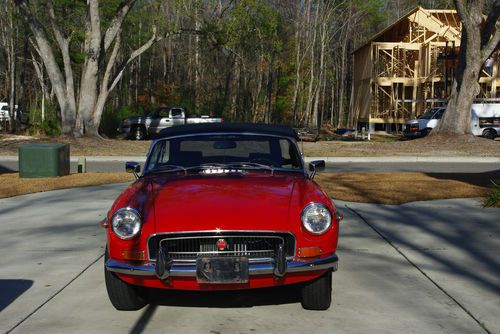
(214, 168)
(252, 165)
(218, 168)
(168, 168)
(234, 167)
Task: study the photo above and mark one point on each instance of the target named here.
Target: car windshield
(233, 151)
(430, 112)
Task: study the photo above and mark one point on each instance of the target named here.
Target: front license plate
(222, 270)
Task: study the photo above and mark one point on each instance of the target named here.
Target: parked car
(222, 207)
(423, 125)
(485, 121)
(141, 127)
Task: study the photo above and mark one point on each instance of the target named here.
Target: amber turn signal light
(133, 255)
(310, 251)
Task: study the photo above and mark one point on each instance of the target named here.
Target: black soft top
(193, 129)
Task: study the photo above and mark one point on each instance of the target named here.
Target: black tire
(123, 296)
(317, 295)
(489, 133)
(139, 133)
(426, 131)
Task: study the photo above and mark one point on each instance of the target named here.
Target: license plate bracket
(222, 269)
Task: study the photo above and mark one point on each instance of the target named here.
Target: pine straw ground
(382, 145)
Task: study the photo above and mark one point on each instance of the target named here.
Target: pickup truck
(5, 119)
(484, 121)
(141, 127)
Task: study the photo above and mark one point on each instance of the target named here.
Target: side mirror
(133, 167)
(316, 166)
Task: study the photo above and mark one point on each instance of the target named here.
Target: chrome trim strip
(330, 262)
(189, 262)
(123, 268)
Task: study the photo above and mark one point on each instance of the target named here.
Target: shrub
(50, 125)
(493, 200)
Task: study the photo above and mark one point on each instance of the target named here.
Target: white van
(485, 121)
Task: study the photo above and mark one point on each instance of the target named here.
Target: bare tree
(100, 73)
(479, 39)
(8, 32)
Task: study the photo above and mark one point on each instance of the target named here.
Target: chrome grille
(186, 248)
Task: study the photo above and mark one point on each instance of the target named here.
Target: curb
(389, 159)
(89, 158)
(408, 159)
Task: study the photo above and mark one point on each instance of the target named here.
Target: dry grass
(399, 188)
(384, 188)
(12, 185)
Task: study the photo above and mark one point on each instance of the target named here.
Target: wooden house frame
(409, 67)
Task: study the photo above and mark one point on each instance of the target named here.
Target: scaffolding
(409, 67)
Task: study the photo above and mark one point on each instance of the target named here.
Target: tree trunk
(255, 102)
(90, 72)
(298, 61)
(197, 60)
(478, 41)
(12, 70)
(269, 93)
(316, 119)
(310, 96)
(235, 79)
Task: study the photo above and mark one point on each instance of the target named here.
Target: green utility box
(43, 160)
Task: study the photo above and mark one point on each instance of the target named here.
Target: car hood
(258, 202)
(422, 123)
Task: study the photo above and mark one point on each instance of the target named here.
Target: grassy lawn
(12, 185)
(383, 188)
(399, 188)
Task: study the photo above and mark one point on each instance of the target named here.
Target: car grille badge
(221, 244)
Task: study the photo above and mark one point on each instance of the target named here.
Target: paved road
(425, 167)
(428, 267)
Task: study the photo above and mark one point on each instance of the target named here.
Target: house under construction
(409, 67)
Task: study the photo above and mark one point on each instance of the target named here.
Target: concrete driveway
(428, 267)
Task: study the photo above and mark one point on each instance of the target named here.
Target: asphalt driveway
(427, 267)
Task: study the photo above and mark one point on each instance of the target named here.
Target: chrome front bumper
(330, 262)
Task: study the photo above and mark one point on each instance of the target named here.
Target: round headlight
(126, 223)
(316, 218)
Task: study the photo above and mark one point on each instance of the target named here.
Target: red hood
(252, 202)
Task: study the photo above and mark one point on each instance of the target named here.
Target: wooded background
(276, 61)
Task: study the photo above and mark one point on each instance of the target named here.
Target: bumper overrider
(166, 268)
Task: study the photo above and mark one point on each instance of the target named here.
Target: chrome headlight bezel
(321, 210)
(134, 224)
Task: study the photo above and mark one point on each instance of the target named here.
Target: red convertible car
(222, 207)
